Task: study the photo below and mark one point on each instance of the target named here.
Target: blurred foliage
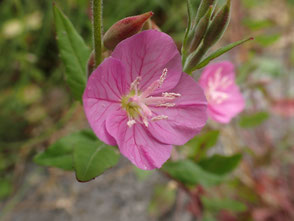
(163, 199)
(253, 120)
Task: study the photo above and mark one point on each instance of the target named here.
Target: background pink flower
(140, 100)
(223, 95)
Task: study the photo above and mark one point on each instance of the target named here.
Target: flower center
(216, 85)
(137, 104)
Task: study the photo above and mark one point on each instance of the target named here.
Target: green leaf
(59, 154)
(162, 200)
(200, 144)
(74, 53)
(219, 52)
(188, 172)
(253, 120)
(217, 204)
(91, 159)
(220, 165)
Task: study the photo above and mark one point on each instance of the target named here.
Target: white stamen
(163, 76)
(160, 117)
(218, 96)
(145, 121)
(130, 123)
(215, 85)
(167, 105)
(166, 94)
(135, 84)
(218, 75)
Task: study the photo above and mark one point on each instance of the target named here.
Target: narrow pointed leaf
(73, 51)
(219, 52)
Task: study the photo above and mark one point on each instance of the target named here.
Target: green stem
(184, 57)
(97, 30)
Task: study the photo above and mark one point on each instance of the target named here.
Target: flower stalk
(97, 30)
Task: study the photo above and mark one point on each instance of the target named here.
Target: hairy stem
(97, 30)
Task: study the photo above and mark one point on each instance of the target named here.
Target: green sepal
(199, 31)
(203, 7)
(220, 52)
(218, 26)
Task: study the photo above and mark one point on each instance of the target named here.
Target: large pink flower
(223, 95)
(140, 100)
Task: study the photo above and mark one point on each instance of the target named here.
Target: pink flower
(140, 100)
(223, 95)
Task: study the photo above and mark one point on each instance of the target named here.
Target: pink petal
(108, 81)
(186, 119)
(226, 67)
(146, 54)
(136, 143)
(224, 112)
(102, 96)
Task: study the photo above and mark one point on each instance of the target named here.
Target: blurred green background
(36, 106)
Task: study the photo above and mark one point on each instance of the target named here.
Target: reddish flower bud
(155, 26)
(147, 25)
(124, 28)
(150, 24)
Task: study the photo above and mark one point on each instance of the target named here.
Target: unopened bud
(150, 24)
(203, 7)
(199, 31)
(124, 28)
(147, 25)
(194, 59)
(218, 26)
(215, 11)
